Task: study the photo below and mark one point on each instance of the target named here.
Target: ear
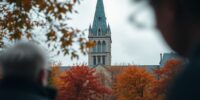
(42, 79)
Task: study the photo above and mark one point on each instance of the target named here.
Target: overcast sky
(130, 44)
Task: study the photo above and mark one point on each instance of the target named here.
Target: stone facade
(100, 33)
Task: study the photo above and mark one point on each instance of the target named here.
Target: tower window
(104, 60)
(104, 46)
(99, 47)
(99, 30)
(99, 59)
(95, 48)
(99, 18)
(94, 60)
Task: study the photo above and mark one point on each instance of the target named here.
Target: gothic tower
(101, 34)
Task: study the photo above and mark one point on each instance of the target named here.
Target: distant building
(163, 59)
(63, 68)
(167, 56)
(99, 57)
(100, 33)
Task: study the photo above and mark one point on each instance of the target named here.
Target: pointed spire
(161, 58)
(109, 28)
(90, 30)
(99, 18)
(90, 27)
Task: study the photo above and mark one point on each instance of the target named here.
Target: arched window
(99, 32)
(95, 48)
(104, 60)
(98, 59)
(99, 46)
(94, 60)
(104, 46)
(99, 18)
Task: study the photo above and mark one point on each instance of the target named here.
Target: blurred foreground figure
(179, 23)
(24, 74)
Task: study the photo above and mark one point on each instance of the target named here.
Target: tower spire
(100, 33)
(99, 18)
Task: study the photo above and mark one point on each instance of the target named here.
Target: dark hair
(190, 7)
(24, 60)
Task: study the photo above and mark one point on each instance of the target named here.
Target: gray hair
(24, 60)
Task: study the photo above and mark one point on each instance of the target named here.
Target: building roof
(167, 56)
(99, 18)
(149, 68)
(63, 68)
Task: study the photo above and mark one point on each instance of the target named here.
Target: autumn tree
(42, 21)
(115, 70)
(105, 79)
(166, 74)
(54, 75)
(81, 83)
(133, 84)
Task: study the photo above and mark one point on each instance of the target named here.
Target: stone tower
(101, 34)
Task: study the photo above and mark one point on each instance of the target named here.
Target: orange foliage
(55, 74)
(166, 75)
(21, 18)
(133, 84)
(108, 77)
(81, 83)
(115, 70)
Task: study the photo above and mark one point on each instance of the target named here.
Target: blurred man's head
(178, 21)
(24, 60)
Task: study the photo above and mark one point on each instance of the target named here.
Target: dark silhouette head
(178, 21)
(24, 60)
